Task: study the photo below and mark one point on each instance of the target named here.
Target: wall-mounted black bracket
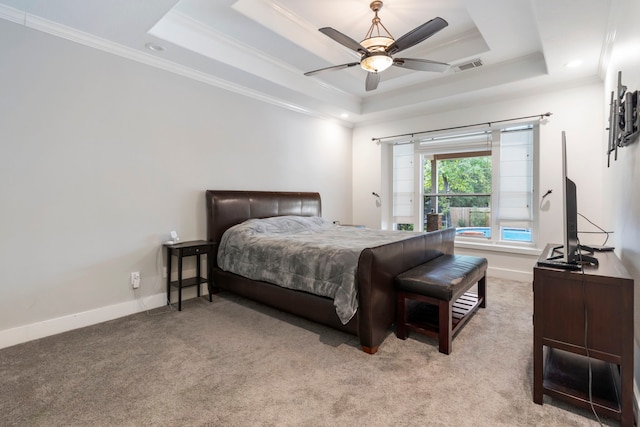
(624, 119)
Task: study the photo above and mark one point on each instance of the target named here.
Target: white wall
(622, 178)
(100, 157)
(577, 110)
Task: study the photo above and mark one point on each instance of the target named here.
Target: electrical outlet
(164, 272)
(135, 279)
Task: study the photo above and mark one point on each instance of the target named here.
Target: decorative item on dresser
(375, 271)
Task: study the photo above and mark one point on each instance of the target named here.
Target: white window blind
(457, 143)
(403, 183)
(516, 178)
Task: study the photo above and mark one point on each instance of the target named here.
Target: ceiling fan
(377, 48)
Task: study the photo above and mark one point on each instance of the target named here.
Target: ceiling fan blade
(371, 83)
(417, 35)
(420, 64)
(332, 68)
(343, 39)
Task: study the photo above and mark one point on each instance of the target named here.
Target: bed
(376, 266)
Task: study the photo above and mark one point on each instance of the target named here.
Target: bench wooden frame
(452, 314)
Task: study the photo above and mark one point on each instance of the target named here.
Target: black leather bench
(442, 284)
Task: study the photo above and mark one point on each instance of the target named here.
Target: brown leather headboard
(228, 208)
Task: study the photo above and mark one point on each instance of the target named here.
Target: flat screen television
(571, 253)
(570, 212)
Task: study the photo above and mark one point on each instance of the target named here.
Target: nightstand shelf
(191, 281)
(182, 250)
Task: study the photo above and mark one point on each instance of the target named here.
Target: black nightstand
(184, 249)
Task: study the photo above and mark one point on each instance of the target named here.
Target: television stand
(555, 254)
(564, 303)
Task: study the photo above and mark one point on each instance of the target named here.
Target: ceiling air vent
(475, 63)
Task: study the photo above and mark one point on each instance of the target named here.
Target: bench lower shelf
(423, 317)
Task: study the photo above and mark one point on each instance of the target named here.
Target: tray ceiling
(261, 48)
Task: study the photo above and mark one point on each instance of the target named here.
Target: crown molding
(58, 30)
(14, 15)
(184, 31)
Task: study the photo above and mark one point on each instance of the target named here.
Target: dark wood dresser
(600, 300)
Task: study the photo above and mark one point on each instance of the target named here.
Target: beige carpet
(237, 363)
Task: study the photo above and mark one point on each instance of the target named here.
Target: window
(458, 187)
(480, 182)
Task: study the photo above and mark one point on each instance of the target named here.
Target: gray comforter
(305, 253)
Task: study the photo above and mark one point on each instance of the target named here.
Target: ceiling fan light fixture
(376, 41)
(376, 62)
(377, 48)
(377, 44)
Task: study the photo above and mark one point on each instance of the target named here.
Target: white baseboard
(21, 334)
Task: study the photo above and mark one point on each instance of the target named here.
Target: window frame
(496, 234)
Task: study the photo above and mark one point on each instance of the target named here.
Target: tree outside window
(463, 191)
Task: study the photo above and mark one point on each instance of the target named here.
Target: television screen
(570, 251)
(569, 210)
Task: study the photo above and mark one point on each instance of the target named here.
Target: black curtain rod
(459, 127)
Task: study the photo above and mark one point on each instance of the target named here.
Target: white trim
(182, 30)
(45, 328)
(86, 39)
(287, 24)
(497, 247)
(13, 15)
